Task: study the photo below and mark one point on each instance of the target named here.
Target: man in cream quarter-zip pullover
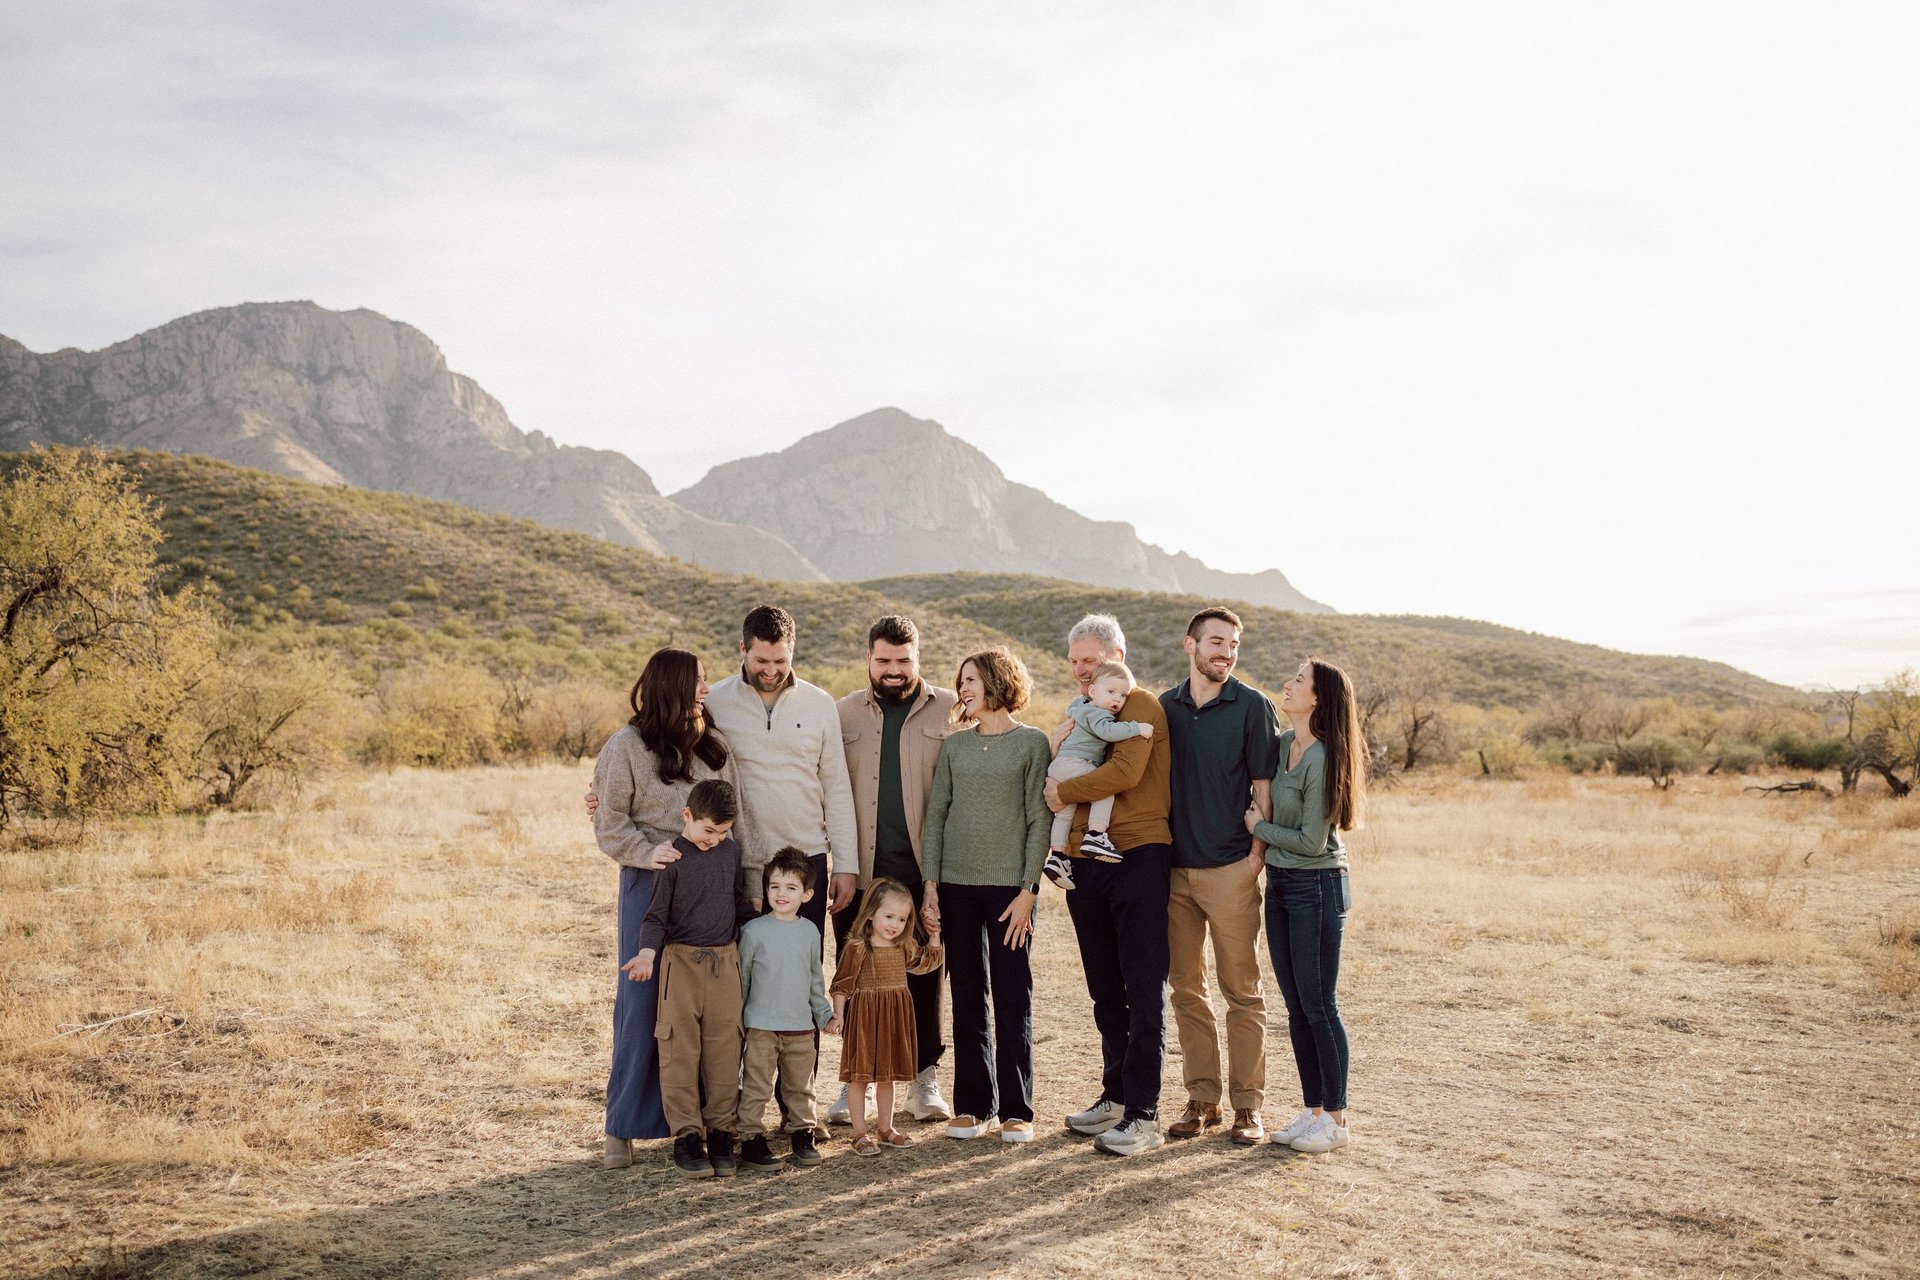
(785, 737)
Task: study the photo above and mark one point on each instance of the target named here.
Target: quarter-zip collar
(746, 682)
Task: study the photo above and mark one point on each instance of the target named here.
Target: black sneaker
(1059, 869)
(756, 1152)
(1096, 845)
(690, 1156)
(804, 1152)
(720, 1154)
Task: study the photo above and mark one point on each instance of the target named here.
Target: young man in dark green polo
(1225, 739)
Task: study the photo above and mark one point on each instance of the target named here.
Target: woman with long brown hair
(642, 778)
(1318, 793)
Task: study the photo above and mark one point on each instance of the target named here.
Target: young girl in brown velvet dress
(872, 1006)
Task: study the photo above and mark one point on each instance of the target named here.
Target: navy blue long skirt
(633, 1083)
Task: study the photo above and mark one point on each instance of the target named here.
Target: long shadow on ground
(945, 1207)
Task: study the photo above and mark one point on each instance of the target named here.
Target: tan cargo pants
(698, 1027)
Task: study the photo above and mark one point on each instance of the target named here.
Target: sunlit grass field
(1598, 1029)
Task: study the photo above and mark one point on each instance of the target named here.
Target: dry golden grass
(1598, 1029)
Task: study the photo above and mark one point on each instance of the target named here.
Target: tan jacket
(1138, 774)
(927, 726)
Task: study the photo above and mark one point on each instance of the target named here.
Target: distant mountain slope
(390, 578)
(1480, 663)
(351, 398)
(887, 493)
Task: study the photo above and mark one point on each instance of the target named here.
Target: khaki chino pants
(698, 1027)
(1224, 901)
(771, 1055)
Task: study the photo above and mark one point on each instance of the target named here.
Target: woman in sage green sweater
(981, 850)
(1317, 794)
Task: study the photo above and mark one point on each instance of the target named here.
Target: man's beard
(1213, 674)
(766, 681)
(895, 695)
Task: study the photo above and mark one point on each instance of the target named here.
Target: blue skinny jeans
(1306, 918)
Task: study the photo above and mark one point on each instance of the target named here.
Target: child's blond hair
(1106, 669)
(913, 942)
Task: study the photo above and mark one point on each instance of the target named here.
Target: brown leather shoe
(1247, 1129)
(1197, 1116)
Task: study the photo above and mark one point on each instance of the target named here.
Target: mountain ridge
(886, 493)
(351, 397)
(354, 397)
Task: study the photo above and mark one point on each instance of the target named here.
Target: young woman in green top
(1318, 793)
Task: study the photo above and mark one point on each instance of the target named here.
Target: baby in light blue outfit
(1082, 751)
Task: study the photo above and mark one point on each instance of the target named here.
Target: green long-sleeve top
(1301, 837)
(987, 815)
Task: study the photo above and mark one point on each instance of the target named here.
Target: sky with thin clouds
(1596, 320)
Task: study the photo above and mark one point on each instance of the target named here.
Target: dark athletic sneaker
(1059, 869)
(804, 1152)
(1097, 846)
(720, 1154)
(755, 1151)
(690, 1156)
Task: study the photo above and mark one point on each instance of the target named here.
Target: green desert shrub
(440, 712)
(1792, 750)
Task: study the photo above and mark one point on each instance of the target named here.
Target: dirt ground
(1597, 1030)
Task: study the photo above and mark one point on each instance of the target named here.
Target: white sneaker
(1324, 1136)
(1295, 1127)
(924, 1101)
(965, 1126)
(1130, 1138)
(1059, 869)
(841, 1112)
(1097, 1119)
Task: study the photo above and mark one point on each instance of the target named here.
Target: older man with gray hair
(1119, 909)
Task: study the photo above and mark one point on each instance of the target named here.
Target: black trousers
(1120, 917)
(992, 1071)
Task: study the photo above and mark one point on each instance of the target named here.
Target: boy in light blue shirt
(786, 1005)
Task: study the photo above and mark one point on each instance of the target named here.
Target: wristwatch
(1033, 888)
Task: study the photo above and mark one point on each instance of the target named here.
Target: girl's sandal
(894, 1138)
(864, 1145)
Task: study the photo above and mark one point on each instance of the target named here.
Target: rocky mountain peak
(350, 397)
(888, 494)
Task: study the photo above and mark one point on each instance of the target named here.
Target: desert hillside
(390, 574)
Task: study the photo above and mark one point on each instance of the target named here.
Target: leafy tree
(97, 668)
(440, 712)
(1889, 744)
(266, 714)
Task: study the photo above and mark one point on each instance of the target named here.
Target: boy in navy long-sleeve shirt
(692, 923)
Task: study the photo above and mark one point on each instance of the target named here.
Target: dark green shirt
(1218, 750)
(890, 835)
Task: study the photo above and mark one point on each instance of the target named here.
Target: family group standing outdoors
(922, 820)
